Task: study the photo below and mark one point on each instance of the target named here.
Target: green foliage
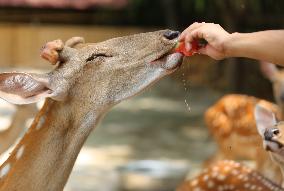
(238, 14)
(200, 5)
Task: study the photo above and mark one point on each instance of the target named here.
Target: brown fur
(226, 176)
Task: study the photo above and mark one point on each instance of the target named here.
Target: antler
(50, 51)
(229, 175)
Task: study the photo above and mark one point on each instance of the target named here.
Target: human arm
(263, 45)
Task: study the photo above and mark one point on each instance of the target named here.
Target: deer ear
(23, 88)
(268, 70)
(264, 119)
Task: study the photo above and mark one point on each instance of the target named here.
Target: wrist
(230, 44)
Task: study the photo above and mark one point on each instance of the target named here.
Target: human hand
(214, 34)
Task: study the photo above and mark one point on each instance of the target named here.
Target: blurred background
(163, 129)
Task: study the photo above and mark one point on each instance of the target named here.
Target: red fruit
(195, 45)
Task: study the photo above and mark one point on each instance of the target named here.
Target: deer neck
(279, 160)
(44, 158)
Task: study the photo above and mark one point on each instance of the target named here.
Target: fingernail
(188, 46)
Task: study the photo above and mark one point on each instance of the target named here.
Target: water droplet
(185, 85)
(187, 105)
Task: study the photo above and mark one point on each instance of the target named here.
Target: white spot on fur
(247, 185)
(235, 172)
(240, 176)
(194, 183)
(4, 171)
(214, 174)
(221, 177)
(39, 104)
(197, 189)
(205, 178)
(29, 122)
(253, 187)
(245, 178)
(40, 122)
(227, 169)
(237, 165)
(215, 168)
(20, 152)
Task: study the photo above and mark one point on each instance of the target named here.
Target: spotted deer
(89, 80)
(229, 176)
(272, 134)
(232, 125)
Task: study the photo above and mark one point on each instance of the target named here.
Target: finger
(188, 38)
(188, 46)
(183, 34)
(198, 33)
(189, 29)
(195, 26)
(212, 52)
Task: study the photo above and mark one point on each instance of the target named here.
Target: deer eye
(96, 56)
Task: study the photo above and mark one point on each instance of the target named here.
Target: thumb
(212, 52)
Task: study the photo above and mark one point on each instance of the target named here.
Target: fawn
(233, 176)
(232, 124)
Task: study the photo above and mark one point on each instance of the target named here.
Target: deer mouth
(273, 145)
(169, 61)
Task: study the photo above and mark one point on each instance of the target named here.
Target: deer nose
(170, 35)
(269, 133)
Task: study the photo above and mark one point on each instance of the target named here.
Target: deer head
(272, 134)
(102, 73)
